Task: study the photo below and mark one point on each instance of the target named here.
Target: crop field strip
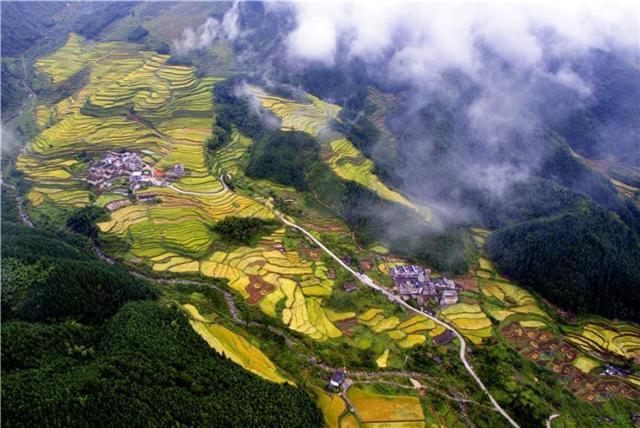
(106, 65)
(345, 159)
(619, 338)
(234, 346)
(376, 408)
(575, 356)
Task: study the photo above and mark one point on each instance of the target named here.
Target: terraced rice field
(311, 117)
(622, 339)
(381, 361)
(504, 301)
(235, 347)
(107, 62)
(585, 364)
(73, 56)
(314, 118)
(379, 409)
(172, 116)
(332, 407)
(469, 320)
(406, 333)
(173, 237)
(579, 371)
(574, 356)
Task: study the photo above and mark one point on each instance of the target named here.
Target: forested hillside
(85, 343)
(584, 259)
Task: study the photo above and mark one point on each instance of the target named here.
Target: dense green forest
(233, 109)
(25, 24)
(144, 366)
(85, 342)
(283, 157)
(243, 230)
(584, 259)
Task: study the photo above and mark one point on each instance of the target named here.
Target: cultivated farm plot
(622, 339)
(576, 356)
(314, 118)
(407, 333)
(579, 371)
(233, 346)
(378, 409)
(469, 320)
(73, 56)
(331, 405)
(503, 300)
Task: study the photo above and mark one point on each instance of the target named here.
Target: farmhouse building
(176, 171)
(444, 283)
(350, 286)
(444, 338)
(115, 205)
(338, 378)
(615, 371)
(147, 197)
(408, 271)
(449, 297)
(135, 177)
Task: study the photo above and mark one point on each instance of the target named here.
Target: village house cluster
(413, 282)
(103, 172)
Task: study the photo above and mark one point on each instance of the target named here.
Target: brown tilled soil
(552, 353)
(257, 289)
(468, 284)
(346, 325)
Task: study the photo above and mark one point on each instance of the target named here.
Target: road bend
(552, 417)
(392, 297)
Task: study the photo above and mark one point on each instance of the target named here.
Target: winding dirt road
(392, 297)
(552, 417)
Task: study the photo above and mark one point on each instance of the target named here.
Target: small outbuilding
(444, 338)
(449, 297)
(338, 378)
(349, 286)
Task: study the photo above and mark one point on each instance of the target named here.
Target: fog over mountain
(207, 33)
(482, 88)
(507, 61)
(489, 114)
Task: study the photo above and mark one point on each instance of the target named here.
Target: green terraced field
(345, 159)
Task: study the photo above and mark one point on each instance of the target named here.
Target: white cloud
(571, 80)
(425, 39)
(204, 35)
